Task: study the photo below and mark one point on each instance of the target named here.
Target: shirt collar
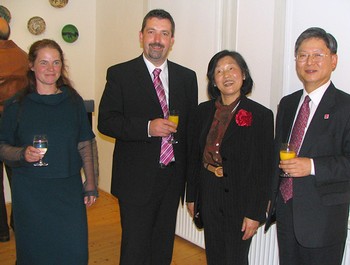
(317, 94)
(151, 67)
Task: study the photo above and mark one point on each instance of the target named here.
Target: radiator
(186, 229)
(263, 250)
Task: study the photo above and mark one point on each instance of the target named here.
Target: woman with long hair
(49, 198)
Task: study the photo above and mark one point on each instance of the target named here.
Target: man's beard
(156, 54)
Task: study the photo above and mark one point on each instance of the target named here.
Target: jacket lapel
(208, 119)
(232, 128)
(174, 85)
(233, 125)
(145, 80)
(290, 111)
(320, 120)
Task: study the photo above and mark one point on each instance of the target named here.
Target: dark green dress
(49, 212)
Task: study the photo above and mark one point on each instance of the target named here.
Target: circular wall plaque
(70, 33)
(58, 3)
(36, 25)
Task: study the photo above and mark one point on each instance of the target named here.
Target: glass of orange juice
(174, 117)
(287, 152)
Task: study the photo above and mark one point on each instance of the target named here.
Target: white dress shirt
(164, 77)
(315, 97)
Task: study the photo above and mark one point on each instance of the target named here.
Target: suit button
(227, 190)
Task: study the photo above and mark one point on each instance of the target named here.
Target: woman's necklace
(235, 107)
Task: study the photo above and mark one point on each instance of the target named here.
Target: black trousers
(222, 223)
(148, 229)
(291, 252)
(4, 228)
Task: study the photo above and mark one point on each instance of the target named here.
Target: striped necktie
(166, 150)
(286, 186)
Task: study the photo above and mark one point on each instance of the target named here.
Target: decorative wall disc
(70, 33)
(58, 3)
(36, 25)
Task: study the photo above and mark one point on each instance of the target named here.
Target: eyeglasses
(315, 57)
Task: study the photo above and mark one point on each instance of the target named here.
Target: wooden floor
(105, 235)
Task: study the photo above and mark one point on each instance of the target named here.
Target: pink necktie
(166, 150)
(286, 186)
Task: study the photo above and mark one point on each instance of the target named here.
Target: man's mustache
(156, 45)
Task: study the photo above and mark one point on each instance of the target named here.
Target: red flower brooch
(244, 118)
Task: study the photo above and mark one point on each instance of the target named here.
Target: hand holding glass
(287, 152)
(173, 117)
(40, 142)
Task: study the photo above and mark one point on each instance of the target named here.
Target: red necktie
(166, 150)
(286, 186)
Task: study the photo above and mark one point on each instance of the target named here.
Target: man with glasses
(311, 206)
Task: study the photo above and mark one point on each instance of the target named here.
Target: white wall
(255, 32)
(333, 16)
(117, 33)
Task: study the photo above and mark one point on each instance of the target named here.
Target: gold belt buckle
(217, 173)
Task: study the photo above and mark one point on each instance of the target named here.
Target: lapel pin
(326, 116)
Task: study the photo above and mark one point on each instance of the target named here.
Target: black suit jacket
(128, 103)
(320, 202)
(246, 156)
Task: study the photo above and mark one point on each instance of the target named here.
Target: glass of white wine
(174, 117)
(40, 142)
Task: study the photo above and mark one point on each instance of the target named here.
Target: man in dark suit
(130, 111)
(312, 224)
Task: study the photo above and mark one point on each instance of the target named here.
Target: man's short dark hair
(318, 33)
(160, 14)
